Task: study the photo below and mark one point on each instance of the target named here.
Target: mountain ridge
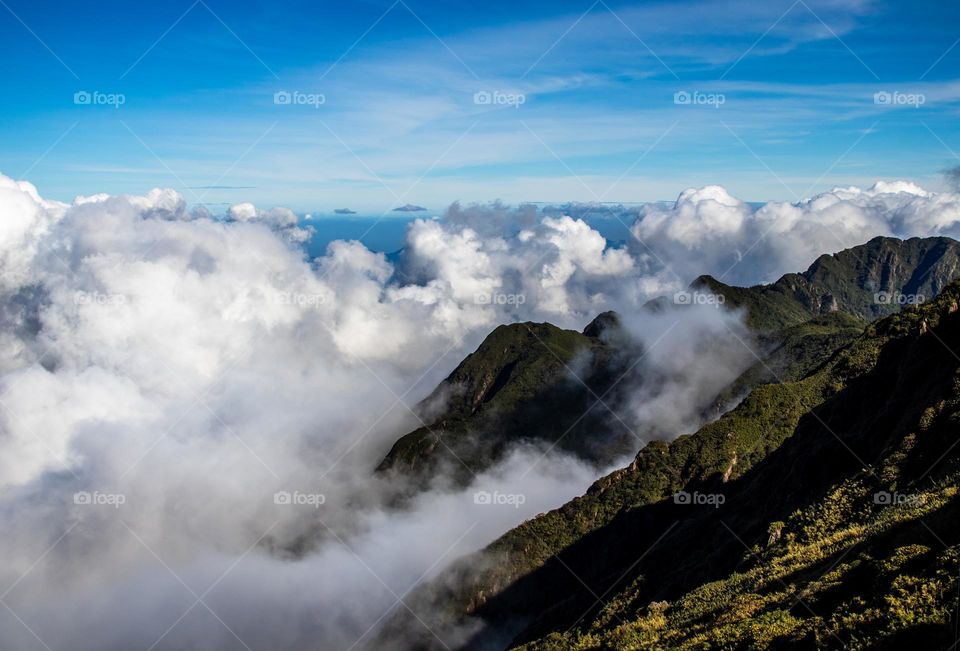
(515, 584)
(523, 381)
(868, 281)
(527, 382)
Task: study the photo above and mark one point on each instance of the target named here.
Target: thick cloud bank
(190, 409)
(709, 231)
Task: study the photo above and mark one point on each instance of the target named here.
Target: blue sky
(783, 99)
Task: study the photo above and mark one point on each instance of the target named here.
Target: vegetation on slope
(869, 281)
(844, 536)
(526, 381)
(529, 382)
(878, 412)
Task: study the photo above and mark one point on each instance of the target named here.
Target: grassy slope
(801, 555)
(518, 385)
(795, 351)
(847, 281)
(525, 381)
(772, 456)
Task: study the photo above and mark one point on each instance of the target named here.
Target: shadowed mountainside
(536, 382)
(814, 544)
(867, 281)
(526, 381)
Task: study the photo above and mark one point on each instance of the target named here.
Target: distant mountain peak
(870, 281)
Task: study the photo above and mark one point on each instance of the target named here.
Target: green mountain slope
(792, 352)
(535, 382)
(846, 536)
(797, 465)
(868, 281)
(526, 381)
